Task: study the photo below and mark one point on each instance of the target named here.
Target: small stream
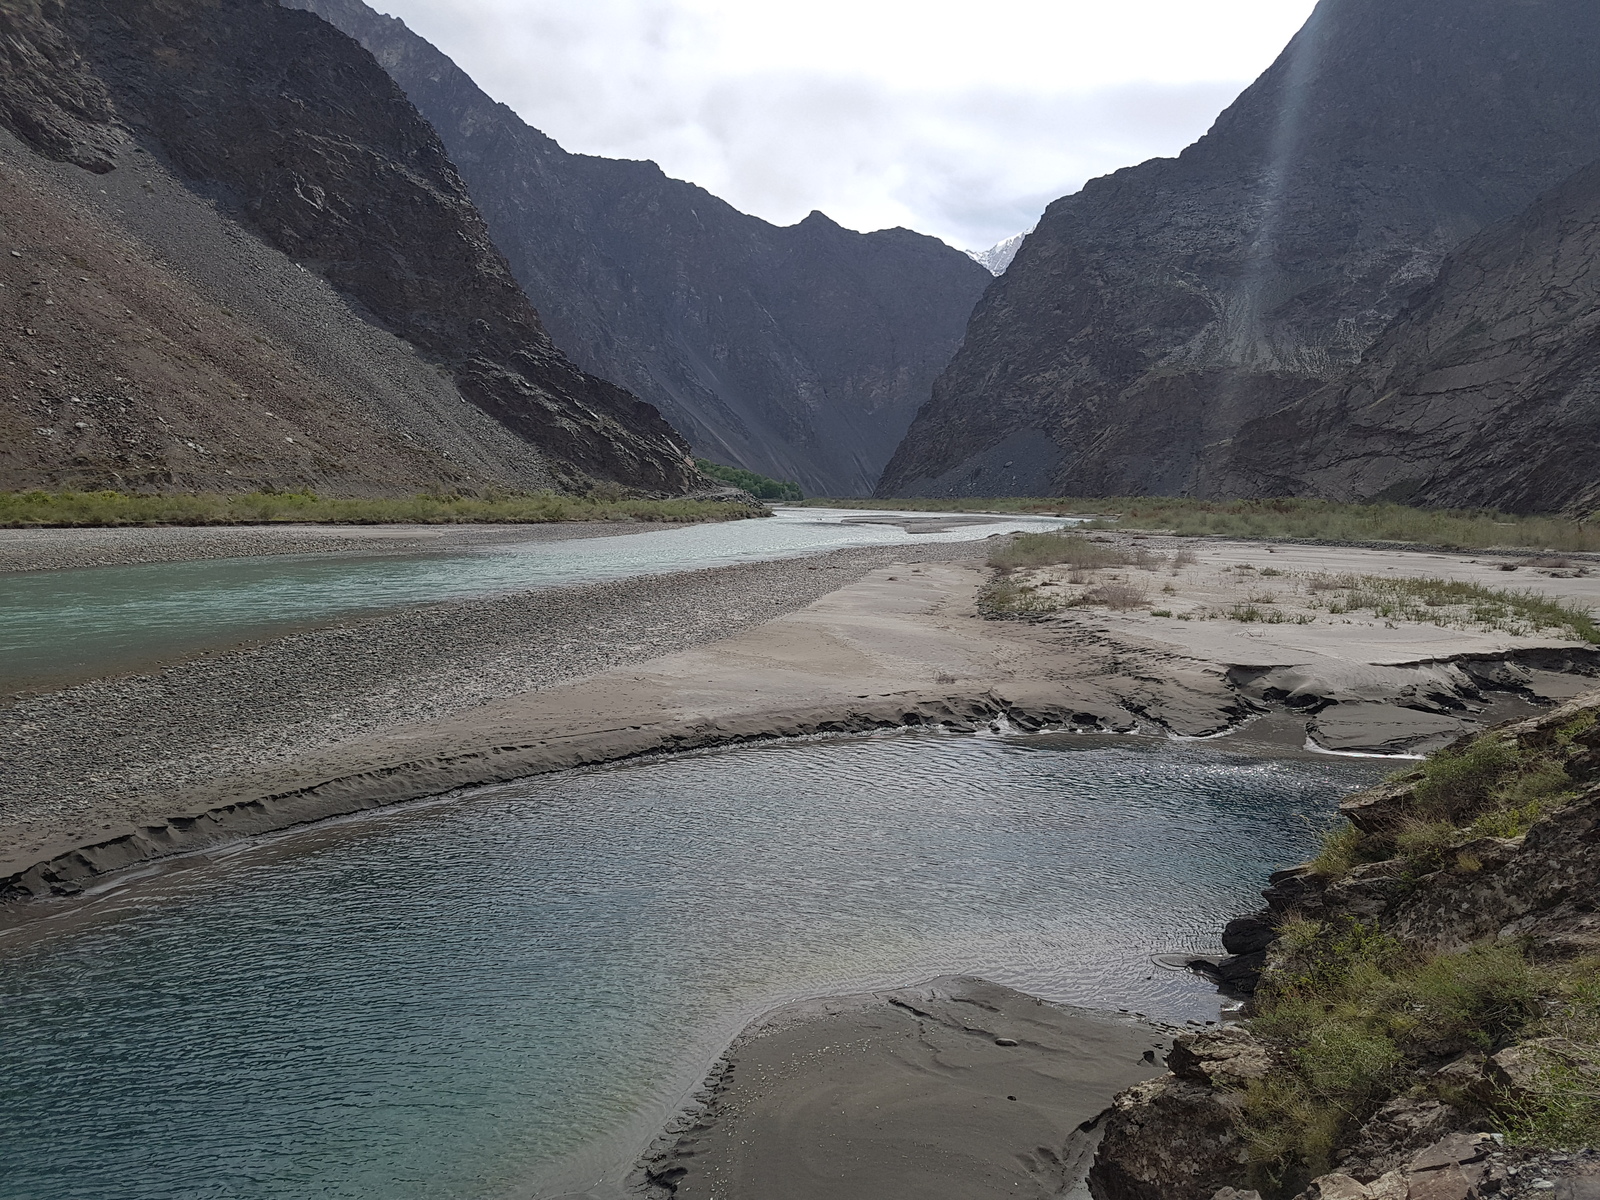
(504, 993)
(59, 626)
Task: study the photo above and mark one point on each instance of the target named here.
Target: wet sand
(955, 1090)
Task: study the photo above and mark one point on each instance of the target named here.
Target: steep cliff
(1487, 392)
(1154, 313)
(289, 131)
(1426, 1022)
(799, 352)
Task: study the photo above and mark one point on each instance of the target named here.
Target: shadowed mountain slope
(799, 352)
(294, 236)
(1160, 309)
(1486, 393)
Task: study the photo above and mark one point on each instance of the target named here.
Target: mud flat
(958, 1089)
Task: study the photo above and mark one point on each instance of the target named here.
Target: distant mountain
(798, 352)
(998, 257)
(1157, 313)
(238, 257)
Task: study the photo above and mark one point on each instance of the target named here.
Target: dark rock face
(1159, 310)
(293, 128)
(1487, 392)
(800, 353)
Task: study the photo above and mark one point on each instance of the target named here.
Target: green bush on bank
(1353, 1013)
(758, 486)
(1317, 520)
(19, 509)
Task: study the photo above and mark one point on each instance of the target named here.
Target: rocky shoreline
(1481, 1103)
(1423, 1023)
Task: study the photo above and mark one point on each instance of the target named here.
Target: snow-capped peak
(998, 256)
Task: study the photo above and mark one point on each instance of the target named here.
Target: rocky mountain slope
(1162, 308)
(1487, 392)
(1425, 1019)
(798, 352)
(237, 256)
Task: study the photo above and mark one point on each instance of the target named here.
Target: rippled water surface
(503, 993)
(57, 625)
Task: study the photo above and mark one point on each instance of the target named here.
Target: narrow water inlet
(505, 993)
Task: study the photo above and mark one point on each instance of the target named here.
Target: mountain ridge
(292, 134)
(1160, 309)
(800, 352)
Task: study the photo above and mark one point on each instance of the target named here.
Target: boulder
(1396, 1132)
(1249, 935)
(1229, 1057)
(1169, 1139)
(1517, 1073)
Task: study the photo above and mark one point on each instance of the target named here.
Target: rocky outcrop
(799, 353)
(294, 133)
(1486, 392)
(1422, 984)
(1156, 313)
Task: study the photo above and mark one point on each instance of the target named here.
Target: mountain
(798, 352)
(1163, 308)
(998, 257)
(238, 257)
(1485, 393)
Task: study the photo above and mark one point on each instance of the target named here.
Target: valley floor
(423, 700)
(107, 774)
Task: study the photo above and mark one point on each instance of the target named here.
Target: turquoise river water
(57, 626)
(503, 993)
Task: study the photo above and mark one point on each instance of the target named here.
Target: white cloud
(957, 122)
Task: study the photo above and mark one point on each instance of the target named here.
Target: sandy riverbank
(955, 1090)
(427, 700)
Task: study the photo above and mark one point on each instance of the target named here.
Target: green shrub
(1343, 847)
(758, 486)
(1458, 783)
(1006, 599)
(1058, 549)
(1352, 1012)
(1564, 1113)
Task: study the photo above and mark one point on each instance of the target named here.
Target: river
(502, 993)
(61, 626)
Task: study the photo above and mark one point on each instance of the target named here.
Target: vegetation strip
(758, 486)
(1441, 602)
(1310, 520)
(62, 509)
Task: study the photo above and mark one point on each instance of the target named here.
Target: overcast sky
(962, 121)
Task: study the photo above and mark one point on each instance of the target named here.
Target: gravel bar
(35, 549)
(77, 759)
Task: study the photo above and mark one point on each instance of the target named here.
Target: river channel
(503, 993)
(60, 626)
